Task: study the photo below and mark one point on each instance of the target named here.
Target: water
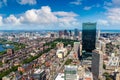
(1, 48)
(5, 47)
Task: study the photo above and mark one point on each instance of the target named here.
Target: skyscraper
(76, 31)
(88, 36)
(61, 33)
(65, 32)
(70, 32)
(78, 49)
(98, 34)
(97, 64)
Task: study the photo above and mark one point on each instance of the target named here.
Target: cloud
(112, 3)
(68, 14)
(24, 2)
(87, 7)
(97, 5)
(116, 2)
(1, 20)
(3, 3)
(113, 14)
(112, 17)
(103, 22)
(39, 16)
(43, 17)
(12, 20)
(77, 2)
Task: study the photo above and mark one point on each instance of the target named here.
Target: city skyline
(89, 54)
(56, 14)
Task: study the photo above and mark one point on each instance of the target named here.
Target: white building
(60, 76)
(77, 48)
(113, 62)
(61, 53)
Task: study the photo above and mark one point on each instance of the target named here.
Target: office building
(70, 32)
(101, 45)
(97, 64)
(76, 32)
(78, 49)
(88, 36)
(81, 72)
(76, 46)
(65, 32)
(98, 34)
(70, 73)
(61, 53)
(88, 76)
(39, 74)
(61, 33)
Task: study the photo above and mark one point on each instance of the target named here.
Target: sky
(58, 14)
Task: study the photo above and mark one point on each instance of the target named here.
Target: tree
(104, 66)
(109, 78)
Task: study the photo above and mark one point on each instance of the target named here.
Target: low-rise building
(61, 53)
(39, 74)
(60, 76)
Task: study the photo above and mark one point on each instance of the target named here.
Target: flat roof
(113, 61)
(60, 76)
(38, 71)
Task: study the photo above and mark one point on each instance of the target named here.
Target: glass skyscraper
(88, 36)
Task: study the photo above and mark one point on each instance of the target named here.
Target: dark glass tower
(88, 36)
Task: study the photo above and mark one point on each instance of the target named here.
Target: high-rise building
(76, 32)
(97, 64)
(98, 34)
(88, 36)
(76, 46)
(61, 33)
(81, 72)
(101, 45)
(70, 32)
(65, 32)
(71, 73)
(78, 49)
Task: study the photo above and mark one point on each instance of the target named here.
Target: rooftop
(60, 76)
(38, 71)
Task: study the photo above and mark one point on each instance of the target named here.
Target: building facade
(71, 73)
(97, 64)
(88, 36)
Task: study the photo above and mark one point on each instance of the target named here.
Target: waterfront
(1, 48)
(4, 47)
